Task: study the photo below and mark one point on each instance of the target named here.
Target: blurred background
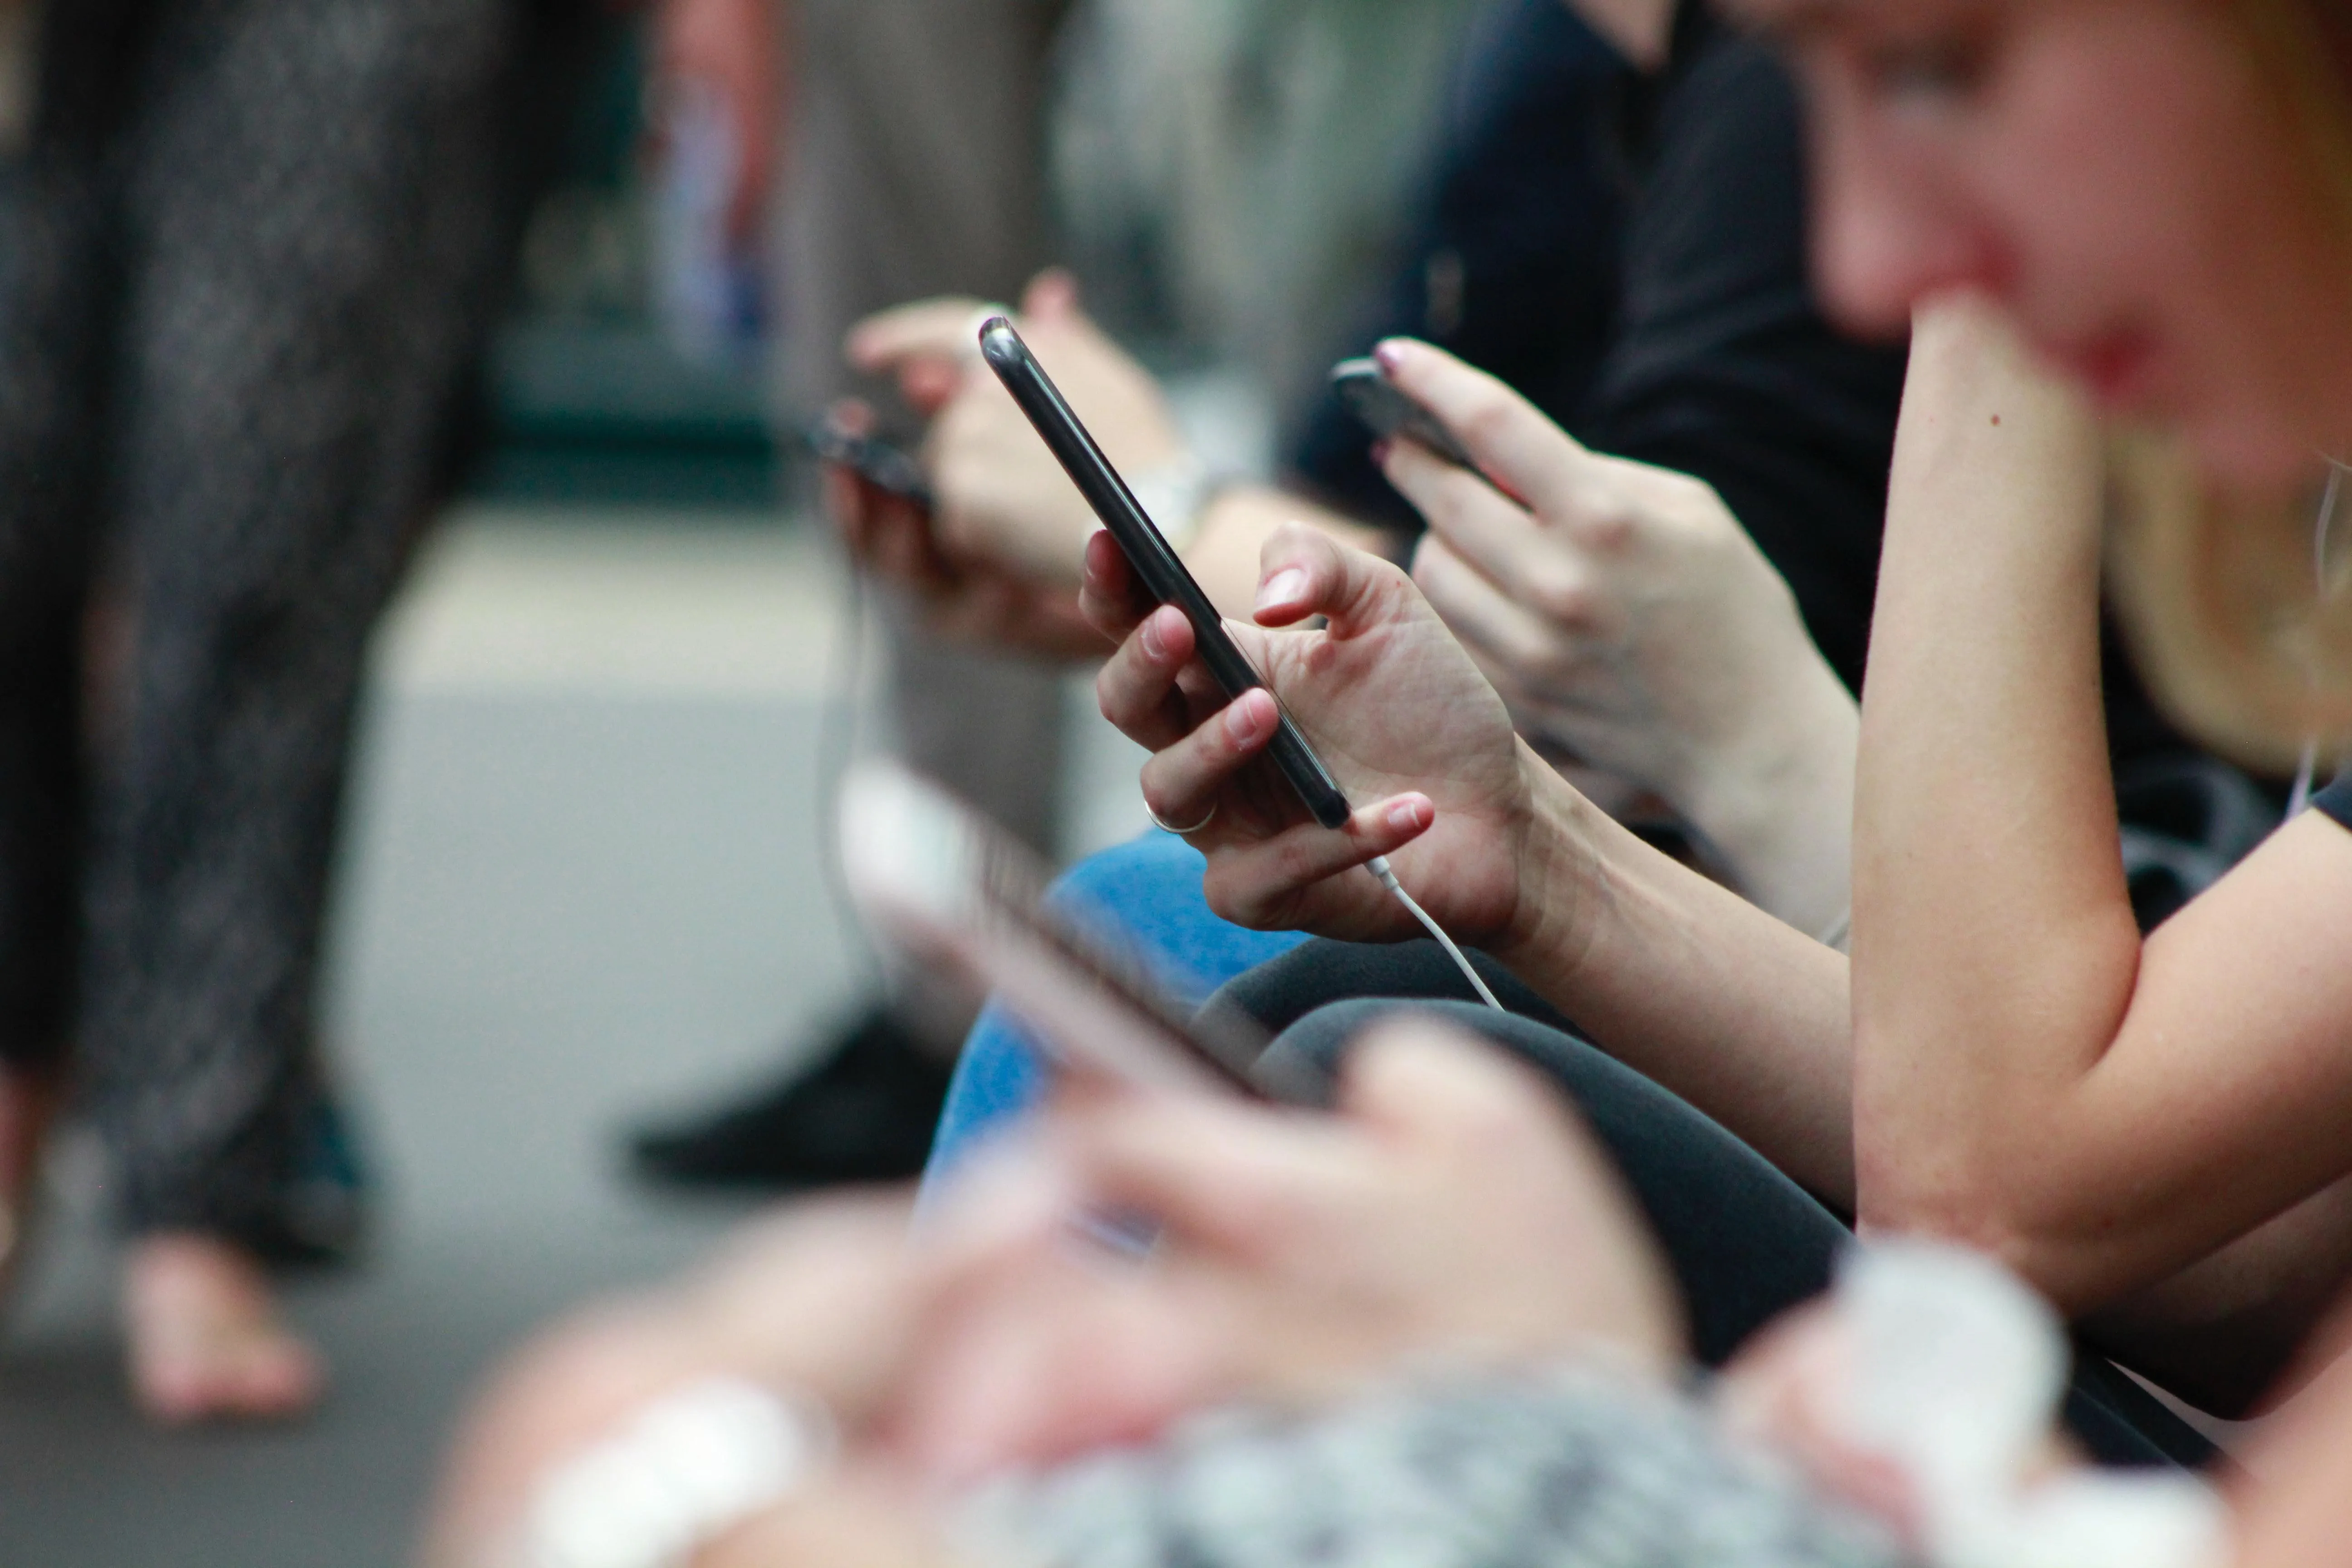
(581, 873)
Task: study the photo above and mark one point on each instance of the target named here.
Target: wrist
(1177, 494)
(1776, 804)
(1558, 862)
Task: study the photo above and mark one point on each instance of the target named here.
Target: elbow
(1966, 1202)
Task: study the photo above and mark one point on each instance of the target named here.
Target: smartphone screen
(1160, 568)
(945, 885)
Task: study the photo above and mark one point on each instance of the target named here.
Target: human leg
(915, 167)
(1745, 1242)
(1145, 894)
(313, 225)
(58, 292)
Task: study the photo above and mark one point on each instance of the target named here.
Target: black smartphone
(1147, 551)
(953, 892)
(877, 462)
(1373, 398)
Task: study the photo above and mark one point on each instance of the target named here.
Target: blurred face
(2117, 173)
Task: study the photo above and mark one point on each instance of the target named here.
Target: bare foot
(206, 1340)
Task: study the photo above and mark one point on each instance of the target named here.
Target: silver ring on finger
(1166, 826)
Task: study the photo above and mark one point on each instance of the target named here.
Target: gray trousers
(916, 166)
(246, 260)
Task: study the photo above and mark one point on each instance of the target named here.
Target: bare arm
(1692, 986)
(2030, 1075)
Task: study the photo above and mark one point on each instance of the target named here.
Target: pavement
(583, 883)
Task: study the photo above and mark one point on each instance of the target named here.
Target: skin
(2104, 1111)
(2115, 174)
(1293, 1267)
(2199, 1284)
(2033, 1077)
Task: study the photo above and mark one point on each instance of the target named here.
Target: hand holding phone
(885, 467)
(1156, 564)
(1376, 400)
(946, 886)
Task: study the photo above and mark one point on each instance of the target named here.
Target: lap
(1745, 1243)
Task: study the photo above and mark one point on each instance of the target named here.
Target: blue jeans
(1146, 891)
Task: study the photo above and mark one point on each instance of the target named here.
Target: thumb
(1304, 573)
(1052, 297)
(1422, 1082)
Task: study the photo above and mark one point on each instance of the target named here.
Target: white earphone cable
(1379, 866)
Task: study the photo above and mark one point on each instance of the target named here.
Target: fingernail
(1287, 586)
(1389, 355)
(1245, 720)
(1153, 643)
(1408, 816)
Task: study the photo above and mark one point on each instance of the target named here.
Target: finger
(1109, 593)
(904, 546)
(1304, 573)
(1219, 1177)
(1510, 438)
(929, 384)
(1427, 1083)
(844, 508)
(1181, 780)
(1258, 885)
(926, 329)
(851, 416)
(1136, 688)
(1542, 567)
(1495, 631)
(1052, 297)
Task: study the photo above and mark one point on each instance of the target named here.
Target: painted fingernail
(1287, 586)
(1408, 815)
(1389, 355)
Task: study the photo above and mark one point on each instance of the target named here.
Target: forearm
(1690, 984)
(1223, 555)
(1994, 945)
(1778, 810)
(2225, 1332)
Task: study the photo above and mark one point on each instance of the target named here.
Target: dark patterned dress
(247, 262)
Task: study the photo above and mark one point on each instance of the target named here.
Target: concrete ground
(583, 884)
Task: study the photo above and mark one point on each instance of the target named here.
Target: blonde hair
(2239, 610)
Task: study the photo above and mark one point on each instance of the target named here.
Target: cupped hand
(822, 1299)
(1003, 501)
(1452, 1214)
(1621, 609)
(977, 602)
(1409, 728)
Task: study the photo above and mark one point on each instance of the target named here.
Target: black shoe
(865, 1113)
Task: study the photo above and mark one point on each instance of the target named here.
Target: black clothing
(1646, 285)
(2336, 800)
(1745, 1242)
(252, 252)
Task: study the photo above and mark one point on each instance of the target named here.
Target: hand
(1390, 703)
(975, 602)
(1004, 500)
(1452, 1213)
(824, 1300)
(1627, 618)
